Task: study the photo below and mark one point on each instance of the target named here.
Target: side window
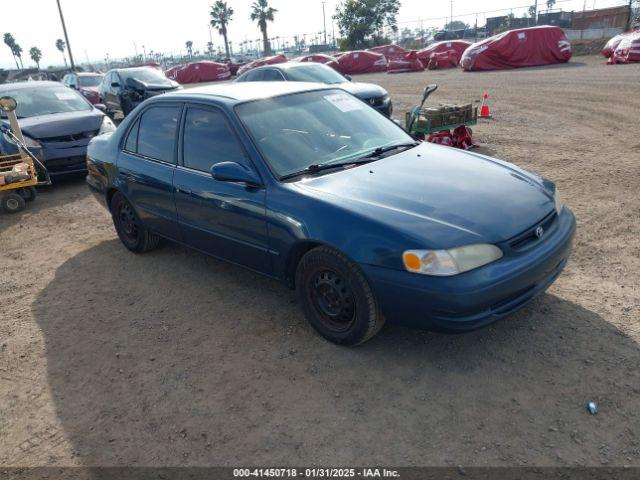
(209, 139)
(131, 145)
(157, 133)
(271, 75)
(255, 76)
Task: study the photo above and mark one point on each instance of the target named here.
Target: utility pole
(630, 19)
(66, 37)
(451, 18)
(324, 21)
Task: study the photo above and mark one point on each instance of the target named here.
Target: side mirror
(234, 172)
(115, 85)
(101, 106)
(348, 77)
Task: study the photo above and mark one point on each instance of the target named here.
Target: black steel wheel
(12, 203)
(130, 229)
(336, 297)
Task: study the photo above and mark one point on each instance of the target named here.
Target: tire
(131, 231)
(336, 298)
(12, 203)
(28, 193)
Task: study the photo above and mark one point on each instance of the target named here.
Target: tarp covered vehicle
(319, 58)
(409, 62)
(262, 61)
(525, 47)
(445, 54)
(362, 61)
(197, 72)
(627, 50)
(390, 51)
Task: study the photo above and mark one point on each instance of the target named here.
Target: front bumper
(478, 297)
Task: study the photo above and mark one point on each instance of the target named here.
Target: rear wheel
(28, 193)
(336, 297)
(12, 203)
(130, 229)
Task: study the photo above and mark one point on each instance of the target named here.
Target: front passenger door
(221, 218)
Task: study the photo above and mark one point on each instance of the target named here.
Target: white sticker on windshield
(65, 95)
(344, 102)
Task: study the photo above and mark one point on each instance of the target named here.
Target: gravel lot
(173, 358)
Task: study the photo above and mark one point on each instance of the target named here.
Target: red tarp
(409, 62)
(362, 61)
(319, 58)
(525, 47)
(262, 61)
(453, 50)
(390, 51)
(197, 72)
(628, 49)
(171, 73)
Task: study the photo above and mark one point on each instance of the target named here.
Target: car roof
(247, 91)
(88, 74)
(27, 84)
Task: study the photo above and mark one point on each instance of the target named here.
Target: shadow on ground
(173, 358)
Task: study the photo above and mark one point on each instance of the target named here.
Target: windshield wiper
(378, 152)
(318, 167)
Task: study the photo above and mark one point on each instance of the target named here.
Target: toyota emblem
(539, 232)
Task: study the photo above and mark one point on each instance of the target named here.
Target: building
(614, 17)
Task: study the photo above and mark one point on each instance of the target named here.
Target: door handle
(184, 190)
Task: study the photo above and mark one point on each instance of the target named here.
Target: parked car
(86, 83)
(57, 123)
(307, 184)
(122, 89)
(374, 95)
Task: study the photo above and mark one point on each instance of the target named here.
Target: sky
(120, 27)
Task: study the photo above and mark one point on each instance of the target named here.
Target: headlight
(558, 201)
(450, 262)
(28, 141)
(107, 126)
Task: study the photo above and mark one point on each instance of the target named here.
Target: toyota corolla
(310, 185)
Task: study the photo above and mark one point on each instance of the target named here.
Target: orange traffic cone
(484, 109)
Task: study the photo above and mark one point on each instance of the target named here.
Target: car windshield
(147, 75)
(44, 100)
(89, 80)
(305, 129)
(314, 73)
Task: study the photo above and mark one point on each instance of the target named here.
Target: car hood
(59, 124)
(363, 90)
(90, 89)
(155, 85)
(440, 195)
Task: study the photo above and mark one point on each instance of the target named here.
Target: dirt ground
(173, 358)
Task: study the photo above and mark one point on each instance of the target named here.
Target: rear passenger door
(221, 218)
(147, 164)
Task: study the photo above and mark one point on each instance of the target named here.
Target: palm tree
(11, 43)
(60, 45)
(36, 55)
(17, 51)
(189, 45)
(262, 13)
(221, 15)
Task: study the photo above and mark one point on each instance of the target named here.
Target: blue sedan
(310, 185)
(57, 123)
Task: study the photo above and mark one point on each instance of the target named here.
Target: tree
(262, 13)
(210, 49)
(361, 21)
(36, 55)
(221, 15)
(60, 45)
(456, 25)
(532, 11)
(189, 45)
(17, 52)
(11, 42)
(550, 4)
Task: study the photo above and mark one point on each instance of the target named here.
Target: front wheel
(336, 297)
(12, 203)
(130, 229)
